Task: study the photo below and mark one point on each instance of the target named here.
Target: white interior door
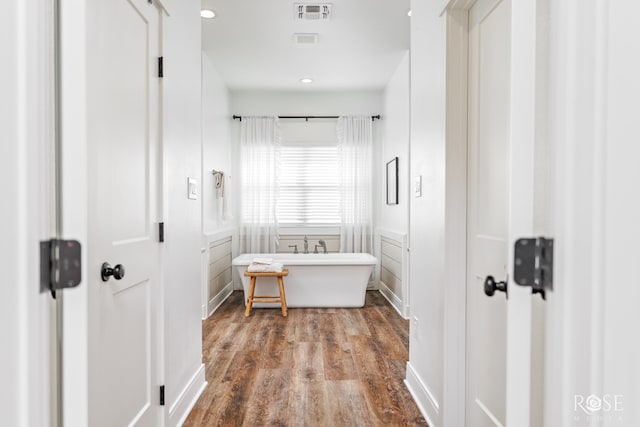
(488, 209)
(124, 194)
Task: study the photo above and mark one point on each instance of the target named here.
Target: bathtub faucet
(295, 248)
(306, 245)
(323, 245)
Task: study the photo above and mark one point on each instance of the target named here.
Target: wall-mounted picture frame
(392, 181)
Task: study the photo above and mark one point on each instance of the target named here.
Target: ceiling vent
(312, 12)
(305, 38)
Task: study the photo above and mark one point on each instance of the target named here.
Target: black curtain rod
(307, 117)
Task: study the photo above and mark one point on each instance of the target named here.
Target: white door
(124, 195)
(488, 209)
(506, 85)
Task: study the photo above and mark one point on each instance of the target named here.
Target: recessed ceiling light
(207, 13)
(409, 13)
(306, 80)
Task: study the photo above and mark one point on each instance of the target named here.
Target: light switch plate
(192, 188)
(417, 185)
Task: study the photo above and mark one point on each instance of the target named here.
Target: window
(309, 193)
(308, 186)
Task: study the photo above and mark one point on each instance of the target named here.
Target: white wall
(426, 233)
(218, 220)
(184, 372)
(366, 102)
(393, 220)
(216, 146)
(395, 143)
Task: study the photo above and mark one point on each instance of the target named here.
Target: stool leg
(283, 298)
(252, 289)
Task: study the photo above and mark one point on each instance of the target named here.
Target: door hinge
(161, 232)
(161, 395)
(160, 66)
(533, 264)
(60, 265)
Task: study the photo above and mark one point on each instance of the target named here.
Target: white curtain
(355, 147)
(259, 165)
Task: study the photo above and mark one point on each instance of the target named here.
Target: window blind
(308, 181)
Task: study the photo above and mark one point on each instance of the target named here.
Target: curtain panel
(259, 166)
(355, 151)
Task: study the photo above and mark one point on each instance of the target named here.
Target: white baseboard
(185, 402)
(424, 399)
(217, 300)
(392, 298)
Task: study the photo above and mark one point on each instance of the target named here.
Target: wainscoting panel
(393, 283)
(220, 248)
(219, 273)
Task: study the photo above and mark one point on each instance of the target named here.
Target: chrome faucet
(323, 245)
(295, 248)
(306, 245)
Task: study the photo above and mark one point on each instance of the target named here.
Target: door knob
(491, 286)
(117, 272)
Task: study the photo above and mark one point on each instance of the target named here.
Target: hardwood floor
(316, 367)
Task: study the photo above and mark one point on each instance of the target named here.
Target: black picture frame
(392, 181)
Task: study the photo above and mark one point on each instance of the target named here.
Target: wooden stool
(252, 288)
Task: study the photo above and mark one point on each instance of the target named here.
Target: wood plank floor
(316, 367)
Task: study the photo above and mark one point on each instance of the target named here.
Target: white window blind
(308, 185)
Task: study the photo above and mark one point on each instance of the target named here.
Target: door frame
(73, 119)
(28, 360)
(581, 56)
(522, 142)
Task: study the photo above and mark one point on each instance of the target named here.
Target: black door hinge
(533, 264)
(60, 265)
(160, 67)
(161, 232)
(161, 395)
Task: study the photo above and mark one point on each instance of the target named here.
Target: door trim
(579, 137)
(524, 21)
(455, 269)
(28, 316)
(75, 375)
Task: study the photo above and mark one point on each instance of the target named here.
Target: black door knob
(491, 286)
(117, 272)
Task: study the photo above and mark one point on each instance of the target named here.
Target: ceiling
(251, 44)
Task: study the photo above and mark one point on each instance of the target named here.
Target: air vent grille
(312, 12)
(305, 38)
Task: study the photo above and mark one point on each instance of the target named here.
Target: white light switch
(192, 188)
(417, 185)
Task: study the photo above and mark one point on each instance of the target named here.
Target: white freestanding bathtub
(314, 280)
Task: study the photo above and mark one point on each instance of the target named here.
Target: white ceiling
(251, 44)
